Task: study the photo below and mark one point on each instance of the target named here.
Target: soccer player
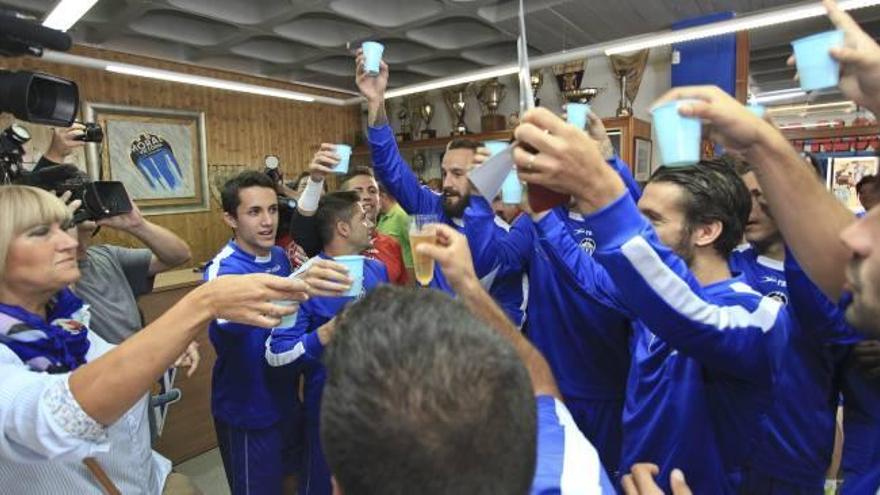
(585, 341)
(345, 231)
(706, 345)
(421, 397)
(402, 183)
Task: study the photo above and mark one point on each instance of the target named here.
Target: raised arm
(492, 248)
(452, 254)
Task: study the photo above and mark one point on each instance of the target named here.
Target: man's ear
(706, 234)
(230, 220)
(343, 229)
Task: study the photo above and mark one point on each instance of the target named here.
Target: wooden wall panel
(241, 128)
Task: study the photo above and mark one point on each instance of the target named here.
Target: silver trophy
(456, 102)
(490, 95)
(426, 111)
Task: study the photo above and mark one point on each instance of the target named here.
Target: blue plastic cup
(511, 189)
(372, 56)
(344, 152)
(355, 265)
(496, 146)
(576, 114)
(756, 109)
(816, 69)
(679, 136)
(289, 320)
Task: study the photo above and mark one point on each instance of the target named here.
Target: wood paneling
(241, 128)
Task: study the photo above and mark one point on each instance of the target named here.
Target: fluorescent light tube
(209, 82)
(67, 13)
(744, 23)
(784, 94)
(453, 81)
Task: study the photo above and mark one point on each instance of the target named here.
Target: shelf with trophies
(423, 148)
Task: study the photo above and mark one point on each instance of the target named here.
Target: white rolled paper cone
(489, 176)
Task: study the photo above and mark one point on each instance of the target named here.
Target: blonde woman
(67, 396)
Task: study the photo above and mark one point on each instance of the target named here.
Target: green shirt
(396, 224)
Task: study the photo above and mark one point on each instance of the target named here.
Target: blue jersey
(704, 358)
(585, 342)
(800, 427)
(861, 396)
(566, 462)
(300, 347)
(393, 172)
(245, 391)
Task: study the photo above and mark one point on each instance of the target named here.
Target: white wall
(598, 74)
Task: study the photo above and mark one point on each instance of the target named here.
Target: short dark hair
(713, 192)
(463, 143)
(229, 197)
(741, 167)
(356, 172)
(867, 180)
(333, 208)
(422, 397)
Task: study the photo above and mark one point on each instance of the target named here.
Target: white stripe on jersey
(678, 294)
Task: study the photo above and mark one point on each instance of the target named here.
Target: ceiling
(310, 41)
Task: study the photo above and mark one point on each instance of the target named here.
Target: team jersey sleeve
(294, 344)
(623, 170)
(736, 337)
(396, 175)
(581, 269)
(493, 248)
(814, 311)
(566, 463)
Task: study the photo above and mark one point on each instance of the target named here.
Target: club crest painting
(158, 154)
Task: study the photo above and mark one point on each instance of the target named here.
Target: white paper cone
(489, 176)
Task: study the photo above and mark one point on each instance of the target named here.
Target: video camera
(48, 100)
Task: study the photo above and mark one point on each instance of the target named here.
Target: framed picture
(642, 166)
(843, 175)
(159, 154)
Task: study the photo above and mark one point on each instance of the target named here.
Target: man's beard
(683, 246)
(456, 210)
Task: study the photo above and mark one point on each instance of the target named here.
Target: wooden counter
(189, 430)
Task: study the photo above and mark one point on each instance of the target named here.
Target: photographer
(67, 397)
(113, 277)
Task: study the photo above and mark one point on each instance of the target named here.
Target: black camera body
(12, 141)
(93, 133)
(100, 199)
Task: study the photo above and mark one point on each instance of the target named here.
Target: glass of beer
(422, 229)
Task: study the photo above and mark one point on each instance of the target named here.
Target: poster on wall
(159, 154)
(843, 175)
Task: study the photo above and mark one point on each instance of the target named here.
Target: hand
(452, 253)
(729, 122)
(327, 331)
(596, 130)
(866, 358)
(63, 142)
(567, 159)
(127, 222)
(323, 162)
(641, 481)
(372, 87)
(247, 298)
(296, 254)
(326, 278)
(189, 359)
(72, 206)
(859, 60)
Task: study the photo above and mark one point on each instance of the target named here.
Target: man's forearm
(170, 249)
(484, 307)
(809, 217)
(376, 116)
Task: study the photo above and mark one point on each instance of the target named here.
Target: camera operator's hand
(481, 155)
(64, 142)
(72, 206)
(129, 222)
(323, 162)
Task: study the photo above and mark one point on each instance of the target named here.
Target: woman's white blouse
(46, 435)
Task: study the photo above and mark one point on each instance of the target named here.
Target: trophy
(405, 133)
(426, 111)
(490, 94)
(456, 103)
(568, 78)
(536, 80)
(629, 70)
